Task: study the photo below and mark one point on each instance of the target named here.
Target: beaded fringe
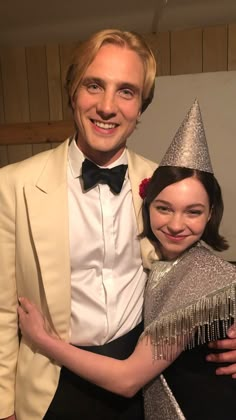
(205, 320)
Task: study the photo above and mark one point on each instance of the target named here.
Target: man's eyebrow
(87, 80)
(121, 85)
(131, 86)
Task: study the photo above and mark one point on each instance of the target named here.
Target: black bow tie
(93, 175)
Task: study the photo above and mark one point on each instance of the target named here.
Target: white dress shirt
(107, 276)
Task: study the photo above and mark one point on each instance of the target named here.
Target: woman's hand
(33, 325)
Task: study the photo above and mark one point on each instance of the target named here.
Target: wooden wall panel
(2, 113)
(39, 81)
(186, 51)
(15, 88)
(54, 145)
(215, 48)
(43, 132)
(38, 84)
(163, 56)
(66, 52)
(40, 147)
(160, 45)
(232, 47)
(19, 152)
(54, 82)
(3, 156)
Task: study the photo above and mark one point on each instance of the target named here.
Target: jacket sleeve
(9, 338)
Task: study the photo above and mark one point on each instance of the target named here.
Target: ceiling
(27, 22)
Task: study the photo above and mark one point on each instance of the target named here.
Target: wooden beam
(39, 132)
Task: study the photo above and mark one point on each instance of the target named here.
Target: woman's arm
(124, 377)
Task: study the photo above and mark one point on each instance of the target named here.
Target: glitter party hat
(189, 147)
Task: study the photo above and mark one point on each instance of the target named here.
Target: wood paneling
(23, 151)
(44, 132)
(232, 47)
(66, 52)
(186, 51)
(160, 46)
(19, 152)
(37, 83)
(3, 156)
(15, 88)
(2, 113)
(32, 83)
(163, 55)
(53, 145)
(215, 48)
(54, 82)
(40, 147)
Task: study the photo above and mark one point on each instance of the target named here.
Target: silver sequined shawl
(190, 294)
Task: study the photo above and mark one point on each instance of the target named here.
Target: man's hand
(228, 356)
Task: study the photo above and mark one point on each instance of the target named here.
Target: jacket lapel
(47, 204)
(140, 168)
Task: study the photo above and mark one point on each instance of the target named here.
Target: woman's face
(178, 216)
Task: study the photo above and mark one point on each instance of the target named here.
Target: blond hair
(86, 52)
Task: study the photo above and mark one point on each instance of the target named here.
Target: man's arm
(228, 354)
(9, 342)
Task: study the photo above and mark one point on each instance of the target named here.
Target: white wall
(174, 96)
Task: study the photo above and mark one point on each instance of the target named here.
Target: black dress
(201, 394)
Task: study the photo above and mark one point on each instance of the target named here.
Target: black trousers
(77, 399)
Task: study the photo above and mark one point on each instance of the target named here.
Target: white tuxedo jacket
(35, 262)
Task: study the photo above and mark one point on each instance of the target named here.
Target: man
(72, 247)
(74, 251)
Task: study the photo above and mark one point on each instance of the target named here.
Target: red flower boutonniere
(143, 187)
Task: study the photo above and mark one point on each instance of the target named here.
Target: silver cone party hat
(189, 147)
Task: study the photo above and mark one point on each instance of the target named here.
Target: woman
(190, 295)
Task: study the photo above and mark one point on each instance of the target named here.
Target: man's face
(108, 102)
